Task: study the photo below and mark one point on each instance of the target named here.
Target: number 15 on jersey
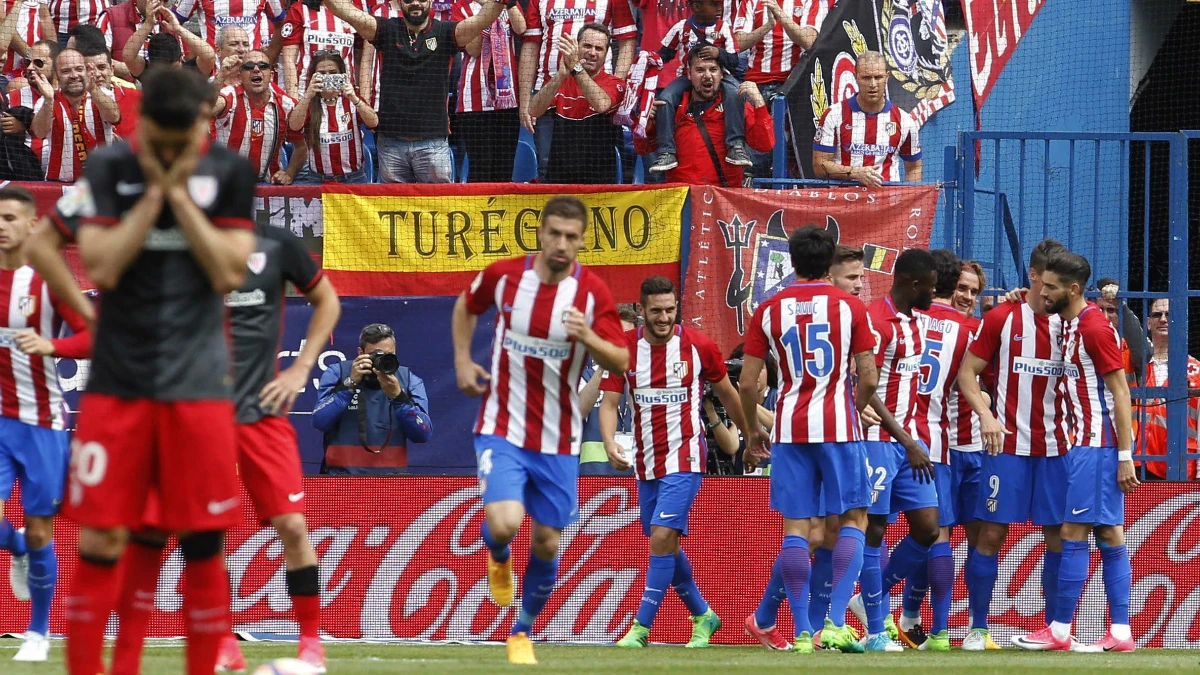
(814, 354)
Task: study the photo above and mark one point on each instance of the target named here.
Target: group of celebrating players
(881, 410)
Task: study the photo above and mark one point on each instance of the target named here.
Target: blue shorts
(1093, 495)
(800, 470)
(881, 471)
(958, 488)
(909, 493)
(38, 457)
(548, 485)
(1016, 489)
(666, 501)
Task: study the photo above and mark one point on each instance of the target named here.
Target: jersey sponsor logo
(538, 348)
(252, 298)
(244, 21)
(870, 149)
(257, 262)
(166, 240)
(27, 305)
(664, 396)
(909, 364)
(571, 13)
(328, 38)
(203, 189)
(8, 338)
(1024, 365)
(338, 137)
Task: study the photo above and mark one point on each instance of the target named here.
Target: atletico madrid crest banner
(739, 252)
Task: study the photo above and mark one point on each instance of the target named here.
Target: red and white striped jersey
(341, 150)
(28, 97)
(532, 400)
(549, 20)
(217, 14)
(30, 30)
(256, 133)
(1026, 349)
(70, 13)
(774, 57)
(962, 422)
(385, 10)
(813, 329)
(474, 94)
(899, 349)
(869, 139)
(947, 337)
(313, 32)
(62, 159)
(684, 35)
(666, 385)
(1092, 350)
(29, 388)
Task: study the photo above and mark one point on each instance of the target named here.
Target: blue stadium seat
(620, 166)
(465, 168)
(639, 171)
(453, 166)
(369, 146)
(525, 166)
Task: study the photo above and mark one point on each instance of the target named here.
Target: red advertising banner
(402, 558)
(739, 254)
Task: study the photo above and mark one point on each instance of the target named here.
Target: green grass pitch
(370, 659)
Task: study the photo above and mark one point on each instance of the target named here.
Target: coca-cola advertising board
(402, 558)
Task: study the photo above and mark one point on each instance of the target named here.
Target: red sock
(206, 612)
(139, 580)
(93, 594)
(308, 614)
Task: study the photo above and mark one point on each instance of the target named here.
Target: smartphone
(333, 81)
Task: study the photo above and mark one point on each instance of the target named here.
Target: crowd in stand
(565, 91)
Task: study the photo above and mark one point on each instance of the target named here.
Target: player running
(551, 312)
(813, 329)
(669, 366)
(1025, 466)
(901, 473)
(168, 233)
(33, 440)
(1100, 465)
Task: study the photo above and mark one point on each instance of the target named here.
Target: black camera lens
(385, 362)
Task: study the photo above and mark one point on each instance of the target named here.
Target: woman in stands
(329, 114)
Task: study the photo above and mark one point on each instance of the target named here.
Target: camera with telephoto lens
(385, 362)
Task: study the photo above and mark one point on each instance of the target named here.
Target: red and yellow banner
(421, 240)
(739, 253)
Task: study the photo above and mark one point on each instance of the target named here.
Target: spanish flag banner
(421, 240)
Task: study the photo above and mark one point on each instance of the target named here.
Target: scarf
(496, 62)
(84, 140)
(635, 107)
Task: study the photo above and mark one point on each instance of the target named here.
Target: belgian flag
(879, 258)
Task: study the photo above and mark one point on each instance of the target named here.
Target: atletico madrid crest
(680, 369)
(27, 305)
(431, 44)
(257, 262)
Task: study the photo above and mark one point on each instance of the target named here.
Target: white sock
(1120, 631)
(907, 623)
(1062, 631)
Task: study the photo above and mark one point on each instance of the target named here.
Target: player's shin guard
(1051, 562)
(93, 594)
(206, 600)
(658, 577)
(1072, 574)
(139, 579)
(773, 596)
(500, 552)
(794, 565)
(685, 586)
(981, 578)
(941, 584)
(10, 539)
(304, 587)
(847, 563)
(821, 583)
(871, 581)
(907, 556)
(43, 577)
(535, 591)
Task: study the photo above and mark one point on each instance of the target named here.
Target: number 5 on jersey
(814, 355)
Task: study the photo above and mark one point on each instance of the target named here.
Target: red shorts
(183, 449)
(269, 465)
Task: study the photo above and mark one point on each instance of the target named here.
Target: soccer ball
(285, 667)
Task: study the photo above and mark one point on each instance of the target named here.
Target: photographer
(721, 433)
(370, 408)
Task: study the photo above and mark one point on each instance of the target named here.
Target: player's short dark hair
(812, 250)
(374, 333)
(16, 193)
(949, 269)
(657, 286)
(52, 45)
(163, 48)
(565, 207)
(628, 313)
(1044, 249)
(171, 97)
(1071, 267)
(88, 37)
(599, 28)
(914, 262)
(89, 49)
(846, 254)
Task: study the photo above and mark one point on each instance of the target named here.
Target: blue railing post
(950, 188)
(1177, 353)
(966, 186)
(778, 153)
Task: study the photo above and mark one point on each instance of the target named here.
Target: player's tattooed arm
(868, 379)
(1123, 421)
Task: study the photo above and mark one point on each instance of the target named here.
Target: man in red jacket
(701, 159)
